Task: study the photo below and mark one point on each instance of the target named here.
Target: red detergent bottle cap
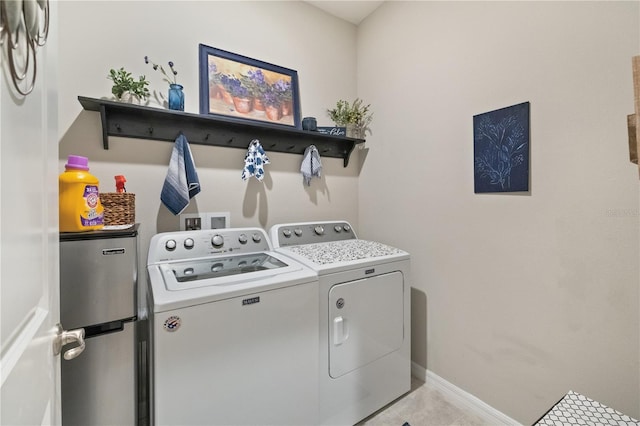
(120, 180)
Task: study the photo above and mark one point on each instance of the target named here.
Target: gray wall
(525, 296)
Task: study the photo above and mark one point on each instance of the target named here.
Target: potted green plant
(126, 88)
(354, 116)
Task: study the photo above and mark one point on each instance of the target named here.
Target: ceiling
(353, 11)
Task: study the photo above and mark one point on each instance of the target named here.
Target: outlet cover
(218, 220)
(192, 221)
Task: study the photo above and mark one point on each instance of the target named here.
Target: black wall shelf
(135, 121)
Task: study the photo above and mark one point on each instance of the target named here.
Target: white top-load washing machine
(233, 328)
(364, 316)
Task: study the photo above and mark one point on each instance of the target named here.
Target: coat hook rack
(136, 121)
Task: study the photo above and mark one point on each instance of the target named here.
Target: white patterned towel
(254, 161)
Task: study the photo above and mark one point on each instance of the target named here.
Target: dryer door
(365, 321)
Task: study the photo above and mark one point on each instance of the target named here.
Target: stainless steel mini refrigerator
(98, 287)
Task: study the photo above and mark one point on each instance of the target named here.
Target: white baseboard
(462, 398)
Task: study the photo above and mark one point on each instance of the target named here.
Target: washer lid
(218, 270)
(224, 277)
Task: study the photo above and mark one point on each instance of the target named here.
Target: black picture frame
(233, 85)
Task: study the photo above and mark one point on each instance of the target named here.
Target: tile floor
(423, 406)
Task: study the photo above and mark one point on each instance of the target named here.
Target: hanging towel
(254, 161)
(181, 183)
(311, 165)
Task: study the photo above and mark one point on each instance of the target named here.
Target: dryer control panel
(290, 234)
(182, 245)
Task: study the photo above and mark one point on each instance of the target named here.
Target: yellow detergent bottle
(80, 207)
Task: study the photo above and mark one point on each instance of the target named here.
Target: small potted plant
(272, 104)
(255, 82)
(354, 116)
(242, 100)
(285, 92)
(126, 88)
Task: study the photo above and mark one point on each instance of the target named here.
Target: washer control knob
(297, 231)
(319, 230)
(188, 243)
(337, 228)
(217, 240)
(242, 239)
(347, 228)
(256, 238)
(286, 233)
(170, 245)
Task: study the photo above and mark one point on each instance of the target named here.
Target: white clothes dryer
(364, 316)
(233, 331)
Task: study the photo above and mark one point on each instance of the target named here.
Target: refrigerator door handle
(64, 337)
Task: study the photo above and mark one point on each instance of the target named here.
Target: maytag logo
(250, 301)
(369, 271)
(109, 252)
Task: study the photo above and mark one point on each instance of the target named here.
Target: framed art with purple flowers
(233, 85)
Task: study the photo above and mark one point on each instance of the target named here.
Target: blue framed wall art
(501, 150)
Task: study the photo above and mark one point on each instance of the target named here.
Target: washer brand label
(109, 252)
(172, 323)
(250, 301)
(369, 271)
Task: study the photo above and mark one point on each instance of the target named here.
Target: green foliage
(352, 113)
(123, 81)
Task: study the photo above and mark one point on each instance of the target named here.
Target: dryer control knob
(188, 243)
(337, 228)
(297, 231)
(286, 233)
(217, 240)
(242, 239)
(170, 245)
(256, 238)
(319, 230)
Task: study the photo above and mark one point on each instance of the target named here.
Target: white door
(29, 294)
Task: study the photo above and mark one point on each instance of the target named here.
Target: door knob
(64, 337)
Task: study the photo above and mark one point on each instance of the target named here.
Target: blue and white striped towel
(254, 161)
(311, 165)
(181, 183)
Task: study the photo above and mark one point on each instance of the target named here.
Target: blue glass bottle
(176, 97)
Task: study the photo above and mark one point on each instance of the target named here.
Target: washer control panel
(290, 234)
(183, 245)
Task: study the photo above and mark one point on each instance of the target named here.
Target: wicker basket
(119, 208)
